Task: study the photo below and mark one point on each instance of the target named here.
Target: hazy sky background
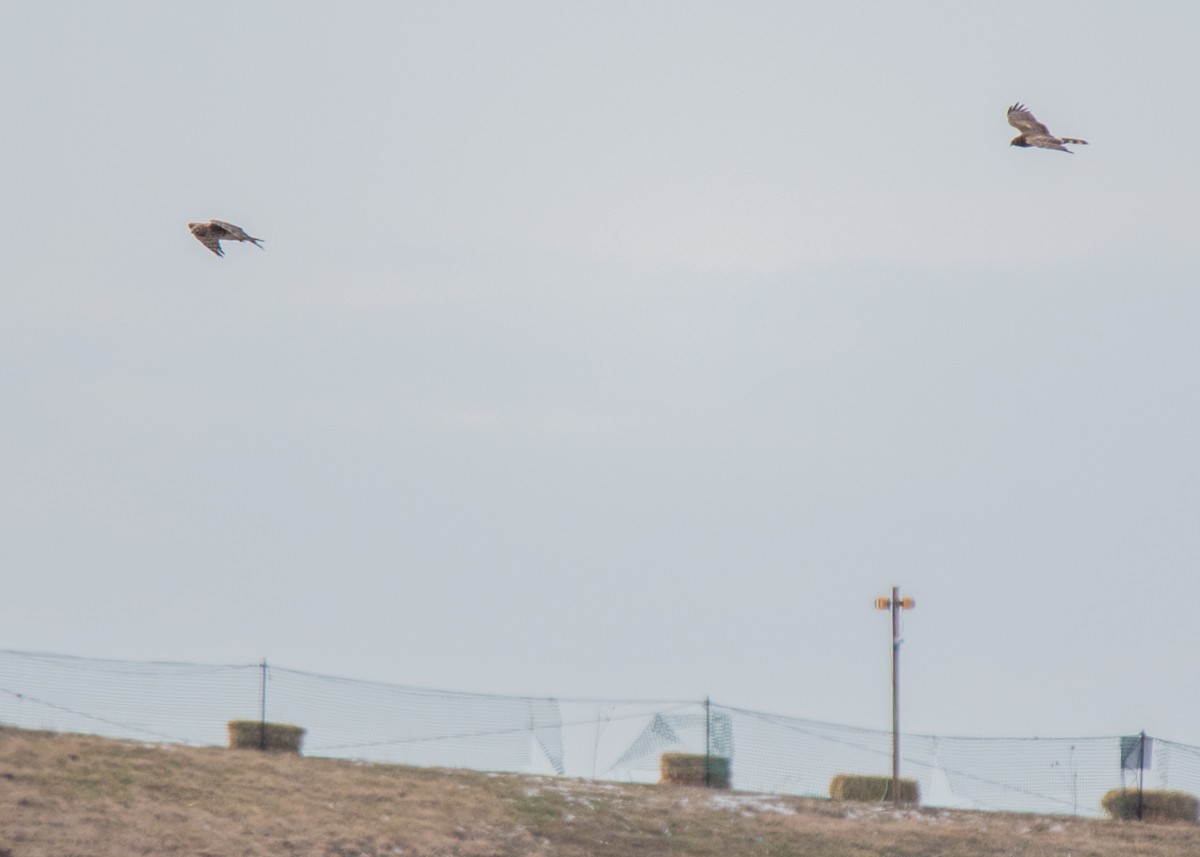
(613, 350)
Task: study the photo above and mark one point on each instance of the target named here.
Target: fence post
(262, 710)
(708, 742)
(1141, 769)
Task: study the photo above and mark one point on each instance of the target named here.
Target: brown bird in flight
(1034, 133)
(212, 232)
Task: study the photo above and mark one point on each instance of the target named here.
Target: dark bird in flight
(1034, 133)
(212, 232)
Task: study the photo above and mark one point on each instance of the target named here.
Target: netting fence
(589, 738)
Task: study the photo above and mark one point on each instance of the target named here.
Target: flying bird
(1034, 133)
(212, 232)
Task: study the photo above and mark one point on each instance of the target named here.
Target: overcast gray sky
(613, 349)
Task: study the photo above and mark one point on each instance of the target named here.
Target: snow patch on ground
(750, 804)
(856, 811)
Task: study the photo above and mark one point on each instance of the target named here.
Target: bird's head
(1019, 140)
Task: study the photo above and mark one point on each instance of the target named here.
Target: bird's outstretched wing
(1020, 118)
(207, 236)
(236, 233)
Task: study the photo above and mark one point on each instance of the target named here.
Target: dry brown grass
(67, 795)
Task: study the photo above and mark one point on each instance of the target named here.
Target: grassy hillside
(75, 795)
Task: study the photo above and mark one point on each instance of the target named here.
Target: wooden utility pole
(895, 604)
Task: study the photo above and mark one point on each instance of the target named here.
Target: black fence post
(708, 742)
(1141, 769)
(262, 711)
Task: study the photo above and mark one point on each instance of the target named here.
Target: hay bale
(1156, 805)
(872, 789)
(695, 769)
(273, 737)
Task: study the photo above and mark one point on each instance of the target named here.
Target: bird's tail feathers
(1073, 140)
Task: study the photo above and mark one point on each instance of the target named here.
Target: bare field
(71, 796)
